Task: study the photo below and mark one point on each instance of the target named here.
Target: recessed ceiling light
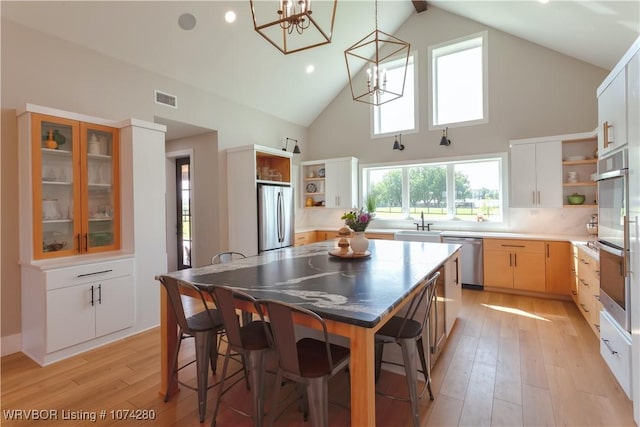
(230, 16)
(310, 69)
(187, 21)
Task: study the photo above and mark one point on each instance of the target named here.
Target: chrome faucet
(421, 225)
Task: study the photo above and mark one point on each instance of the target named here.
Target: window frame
(451, 221)
(413, 60)
(432, 76)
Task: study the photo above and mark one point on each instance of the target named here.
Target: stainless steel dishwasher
(471, 260)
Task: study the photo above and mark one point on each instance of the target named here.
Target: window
(398, 115)
(467, 190)
(459, 82)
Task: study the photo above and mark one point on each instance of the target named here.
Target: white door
(70, 316)
(340, 184)
(612, 115)
(523, 176)
(115, 307)
(549, 174)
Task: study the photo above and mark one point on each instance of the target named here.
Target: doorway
(183, 214)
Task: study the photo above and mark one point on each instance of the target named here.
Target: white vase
(359, 243)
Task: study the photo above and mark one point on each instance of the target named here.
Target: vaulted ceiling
(233, 61)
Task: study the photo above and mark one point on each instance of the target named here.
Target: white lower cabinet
(83, 312)
(72, 309)
(615, 348)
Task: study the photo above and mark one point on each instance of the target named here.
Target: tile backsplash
(564, 221)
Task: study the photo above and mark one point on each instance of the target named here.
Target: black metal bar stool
(406, 331)
(205, 327)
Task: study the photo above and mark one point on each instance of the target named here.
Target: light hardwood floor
(510, 361)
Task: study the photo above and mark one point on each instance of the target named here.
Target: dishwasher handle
(461, 240)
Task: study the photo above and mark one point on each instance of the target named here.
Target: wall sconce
(296, 149)
(444, 140)
(398, 145)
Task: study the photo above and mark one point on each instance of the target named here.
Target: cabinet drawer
(514, 245)
(304, 238)
(70, 276)
(382, 236)
(615, 349)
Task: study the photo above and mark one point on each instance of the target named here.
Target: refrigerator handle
(280, 218)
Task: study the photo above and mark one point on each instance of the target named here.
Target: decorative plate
(321, 172)
(337, 253)
(311, 188)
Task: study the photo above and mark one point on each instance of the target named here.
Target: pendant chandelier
(294, 25)
(377, 66)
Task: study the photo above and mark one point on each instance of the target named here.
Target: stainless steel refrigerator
(275, 217)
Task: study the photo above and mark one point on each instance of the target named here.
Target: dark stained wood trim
(420, 5)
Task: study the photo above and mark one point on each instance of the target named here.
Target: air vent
(166, 99)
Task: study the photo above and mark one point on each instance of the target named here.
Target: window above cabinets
(458, 82)
(399, 115)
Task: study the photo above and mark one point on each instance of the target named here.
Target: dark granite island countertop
(354, 296)
(359, 291)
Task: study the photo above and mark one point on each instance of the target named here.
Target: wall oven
(613, 236)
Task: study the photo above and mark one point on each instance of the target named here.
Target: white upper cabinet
(341, 183)
(536, 174)
(612, 114)
(331, 183)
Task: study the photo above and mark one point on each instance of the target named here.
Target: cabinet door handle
(512, 246)
(100, 294)
(606, 342)
(538, 197)
(533, 197)
(605, 133)
(510, 260)
(548, 250)
(86, 242)
(457, 267)
(79, 248)
(94, 273)
(92, 303)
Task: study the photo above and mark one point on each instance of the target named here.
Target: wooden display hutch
(75, 191)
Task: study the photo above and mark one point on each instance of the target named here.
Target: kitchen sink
(417, 235)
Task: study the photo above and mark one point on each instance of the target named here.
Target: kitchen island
(354, 296)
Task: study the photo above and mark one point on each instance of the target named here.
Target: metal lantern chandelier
(379, 55)
(294, 25)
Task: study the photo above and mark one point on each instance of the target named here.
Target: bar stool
(249, 340)
(406, 331)
(204, 327)
(223, 257)
(309, 362)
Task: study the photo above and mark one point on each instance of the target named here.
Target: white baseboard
(10, 344)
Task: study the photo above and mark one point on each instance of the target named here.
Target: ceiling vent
(166, 99)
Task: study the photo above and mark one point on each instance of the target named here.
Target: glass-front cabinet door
(100, 188)
(75, 187)
(56, 186)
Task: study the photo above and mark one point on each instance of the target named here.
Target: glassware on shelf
(50, 209)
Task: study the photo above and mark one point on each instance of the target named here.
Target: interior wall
(44, 70)
(205, 207)
(533, 91)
